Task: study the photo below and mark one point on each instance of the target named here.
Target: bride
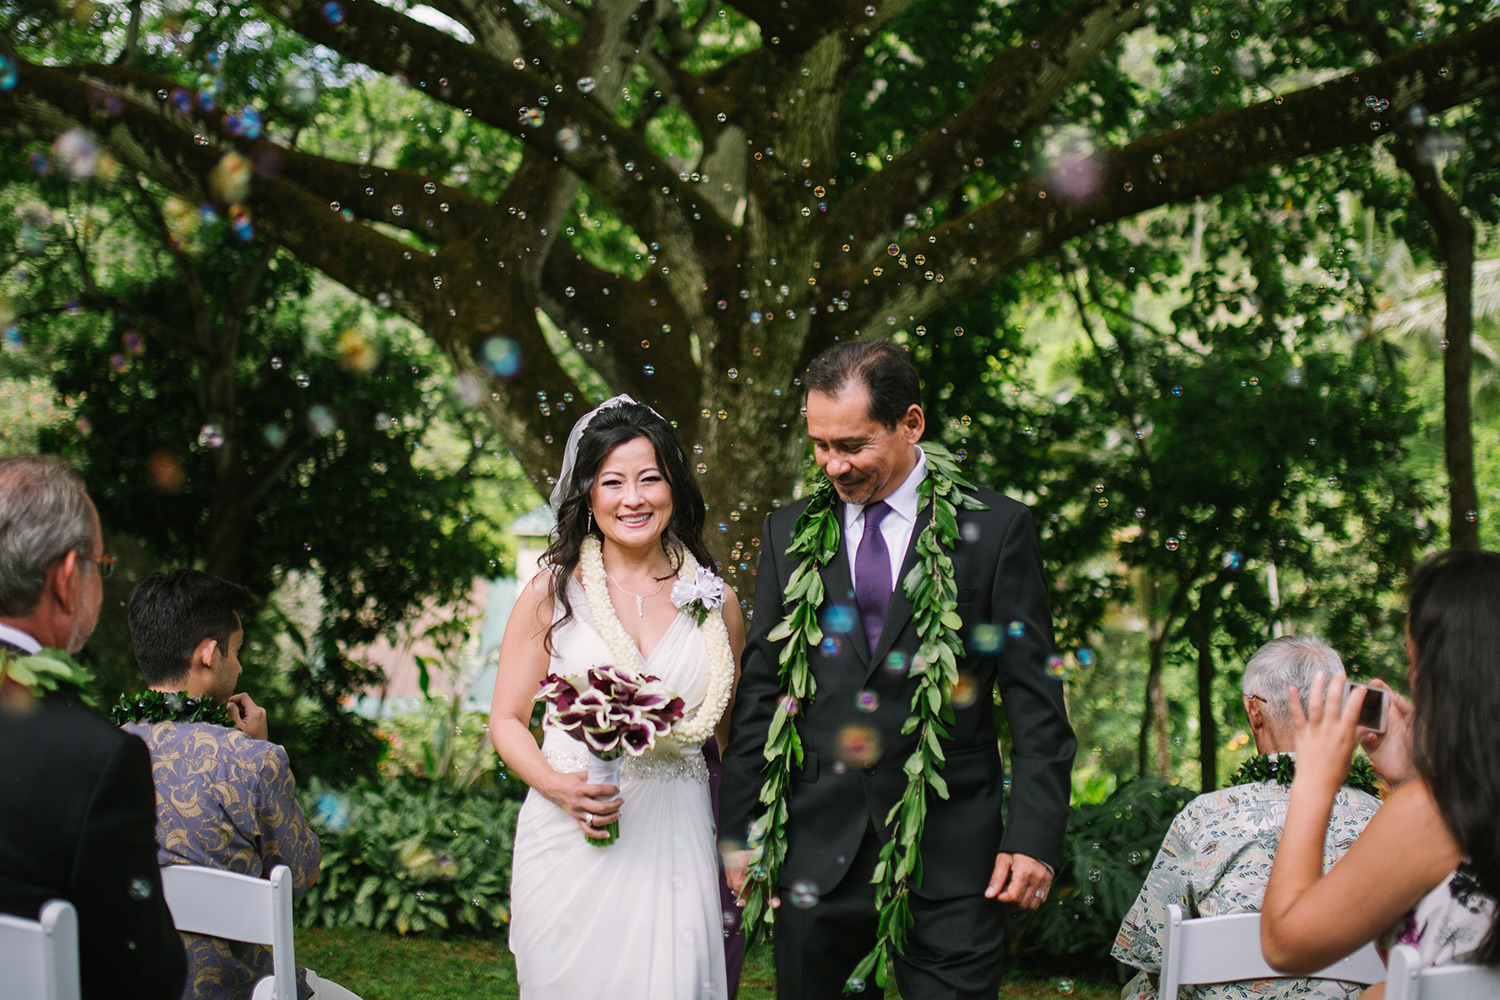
(639, 918)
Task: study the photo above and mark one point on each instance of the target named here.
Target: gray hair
(45, 513)
(1291, 659)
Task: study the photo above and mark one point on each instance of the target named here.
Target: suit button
(869, 768)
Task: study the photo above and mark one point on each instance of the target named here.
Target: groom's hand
(1019, 880)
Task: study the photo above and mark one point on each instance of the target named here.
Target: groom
(865, 419)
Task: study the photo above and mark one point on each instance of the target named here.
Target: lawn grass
(386, 967)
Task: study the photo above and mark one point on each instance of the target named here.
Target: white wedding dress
(639, 919)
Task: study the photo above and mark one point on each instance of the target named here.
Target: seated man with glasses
(1217, 855)
(77, 811)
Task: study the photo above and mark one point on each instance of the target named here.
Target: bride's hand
(593, 806)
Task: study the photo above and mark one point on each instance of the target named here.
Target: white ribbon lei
(628, 657)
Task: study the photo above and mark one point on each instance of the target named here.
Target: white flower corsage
(701, 594)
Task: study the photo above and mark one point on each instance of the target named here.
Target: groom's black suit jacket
(832, 804)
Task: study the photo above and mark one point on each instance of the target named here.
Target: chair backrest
(1409, 981)
(1227, 948)
(238, 908)
(39, 958)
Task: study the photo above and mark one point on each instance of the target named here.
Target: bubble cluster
(210, 436)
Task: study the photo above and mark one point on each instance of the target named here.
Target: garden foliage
(1110, 847)
(411, 857)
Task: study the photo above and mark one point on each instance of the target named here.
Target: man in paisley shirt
(224, 793)
(1217, 855)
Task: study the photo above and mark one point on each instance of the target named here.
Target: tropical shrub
(412, 856)
(1109, 849)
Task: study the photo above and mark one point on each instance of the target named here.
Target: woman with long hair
(1426, 871)
(626, 582)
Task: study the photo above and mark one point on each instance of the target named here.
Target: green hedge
(411, 856)
(1109, 849)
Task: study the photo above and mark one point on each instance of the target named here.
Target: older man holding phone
(1217, 855)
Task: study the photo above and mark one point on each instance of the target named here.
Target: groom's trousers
(955, 949)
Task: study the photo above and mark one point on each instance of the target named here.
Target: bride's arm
(734, 623)
(523, 664)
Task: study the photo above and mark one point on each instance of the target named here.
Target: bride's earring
(590, 529)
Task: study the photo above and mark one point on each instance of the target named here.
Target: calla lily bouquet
(614, 713)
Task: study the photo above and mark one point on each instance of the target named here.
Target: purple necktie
(872, 573)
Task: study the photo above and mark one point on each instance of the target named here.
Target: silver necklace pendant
(640, 606)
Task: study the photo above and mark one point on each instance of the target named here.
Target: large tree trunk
(1455, 245)
(1202, 625)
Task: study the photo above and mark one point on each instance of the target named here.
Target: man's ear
(63, 579)
(913, 423)
(1256, 713)
(206, 653)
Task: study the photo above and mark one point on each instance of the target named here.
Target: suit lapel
(899, 612)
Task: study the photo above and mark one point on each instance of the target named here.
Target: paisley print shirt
(1216, 859)
(224, 800)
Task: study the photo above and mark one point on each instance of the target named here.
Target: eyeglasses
(105, 564)
(1256, 697)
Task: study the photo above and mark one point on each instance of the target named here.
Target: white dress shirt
(19, 639)
(897, 526)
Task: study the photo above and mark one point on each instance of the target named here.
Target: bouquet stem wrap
(605, 771)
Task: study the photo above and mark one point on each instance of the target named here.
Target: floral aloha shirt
(1216, 859)
(226, 801)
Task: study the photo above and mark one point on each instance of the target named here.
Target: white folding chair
(239, 908)
(39, 958)
(1227, 948)
(1409, 981)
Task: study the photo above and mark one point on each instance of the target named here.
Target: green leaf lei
(1282, 768)
(45, 671)
(934, 597)
(168, 706)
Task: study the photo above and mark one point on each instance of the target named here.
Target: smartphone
(1372, 711)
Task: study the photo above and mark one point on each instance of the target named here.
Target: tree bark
(1202, 625)
(1455, 245)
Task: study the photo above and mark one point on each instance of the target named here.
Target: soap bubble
(804, 894)
(839, 619)
(501, 356)
(586, 84)
(867, 701)
(986, 638)
(568, 139)
(858, 745)
(965, 691)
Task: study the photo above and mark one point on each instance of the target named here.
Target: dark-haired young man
(225, 797)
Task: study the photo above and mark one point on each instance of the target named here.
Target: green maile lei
(933, 593)
(150, 707)
(46, 671)
(1282, 768)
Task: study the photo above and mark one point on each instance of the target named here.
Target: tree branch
(1201, 159)
(615, 160)
(1018, 91)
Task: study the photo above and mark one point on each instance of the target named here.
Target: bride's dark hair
(1454, 622)
(610, 428)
